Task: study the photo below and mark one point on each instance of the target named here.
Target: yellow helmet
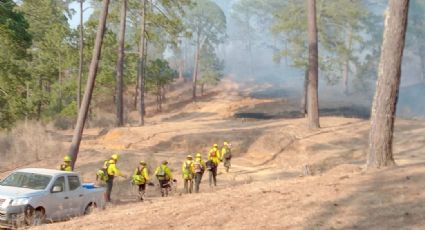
(115, 156)
(198, 155)
(67, 158)
(225, 143)
(142, 162)
(189, 157)
(215, 145)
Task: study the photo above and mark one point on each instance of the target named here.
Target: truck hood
(7, 192)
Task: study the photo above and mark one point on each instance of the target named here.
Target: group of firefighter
(193, 169)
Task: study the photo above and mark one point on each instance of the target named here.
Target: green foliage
(207, 22)
(158, 74)
(211, 68)
(52, 51)
(14, 41)
(39, 58)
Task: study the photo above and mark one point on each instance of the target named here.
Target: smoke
(248, 58)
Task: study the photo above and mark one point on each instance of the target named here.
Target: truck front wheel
(36, 217)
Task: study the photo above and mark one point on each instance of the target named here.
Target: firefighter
(66, 166)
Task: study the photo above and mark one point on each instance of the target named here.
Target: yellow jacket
(113, 170)
(224, 151)
(163, 169)
(140, 176)
(65, 167)
(144, 173)
(214, 155)
(188, 169)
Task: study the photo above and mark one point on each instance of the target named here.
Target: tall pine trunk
(387, 86)
(202, 89)
(120, 68)
(82, 115)
(305, 94)
(313, 67)
(195, 68)
(80, 66)
(422, 60)
(141, 70)
(346, 72)
(181, 70)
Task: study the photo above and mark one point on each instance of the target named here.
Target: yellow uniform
(214, 155)
(140, 176)
(163, 172)
(66, 167)
(113, 170)
(188, 170)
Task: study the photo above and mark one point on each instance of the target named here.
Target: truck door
(58, 202)
(76, 195)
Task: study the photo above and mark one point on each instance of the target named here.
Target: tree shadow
(187, 116)
(384, 200)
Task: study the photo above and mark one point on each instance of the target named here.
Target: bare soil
(266, 187)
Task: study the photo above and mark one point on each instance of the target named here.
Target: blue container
(88, 185)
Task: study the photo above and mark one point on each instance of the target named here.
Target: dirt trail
(265, 188)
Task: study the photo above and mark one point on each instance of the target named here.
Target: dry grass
(264, 189)
(25, 144)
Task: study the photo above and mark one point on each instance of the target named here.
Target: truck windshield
(26, 180)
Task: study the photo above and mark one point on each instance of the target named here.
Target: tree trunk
(40, 100)
(202, 89)
(80, 66)
(145, 57)
(158, 98)
(120, 68)
(387, 86)
(305, 94)
(195, 70)
(136, 95)
(313, 67)
(82, 115)
(422, 60)
(347, 62)
(141, 66)
(60, 84)
(163, 99)
(181, 70)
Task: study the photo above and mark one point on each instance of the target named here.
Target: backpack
(102, 174)
(138, 178)
(210, 165)
(188, 167)
(198, 167)
(161, 175)
(213, 153)
(228, 154)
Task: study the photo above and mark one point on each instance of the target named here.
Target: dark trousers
(142, 189)
(213, 176)
(164, 185)
(109, 184)
(198, 179)
(227, 164)
(188, 185)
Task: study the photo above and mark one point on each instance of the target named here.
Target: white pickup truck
(32, 196)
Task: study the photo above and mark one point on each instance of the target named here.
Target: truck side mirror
(57, 188)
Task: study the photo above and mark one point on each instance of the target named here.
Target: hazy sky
(75, 20)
